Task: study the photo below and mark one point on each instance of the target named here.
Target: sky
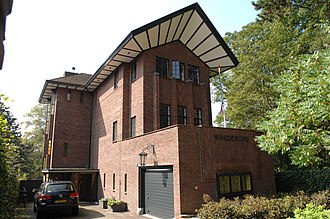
(45, 38)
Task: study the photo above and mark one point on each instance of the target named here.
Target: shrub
(112, 201)
(307, 181)
(312, 211)
(260, 207)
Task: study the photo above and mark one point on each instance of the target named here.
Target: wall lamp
(143, 154)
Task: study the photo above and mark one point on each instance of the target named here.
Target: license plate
(60, 201)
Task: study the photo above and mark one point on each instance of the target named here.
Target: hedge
(251, 207)
(307, 181)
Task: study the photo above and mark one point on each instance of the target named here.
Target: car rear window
(59, 188)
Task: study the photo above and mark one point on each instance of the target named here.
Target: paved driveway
(86, 211)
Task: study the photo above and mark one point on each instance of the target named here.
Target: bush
(307, 181)
(312, 211)
(112, 201)
(260, 207)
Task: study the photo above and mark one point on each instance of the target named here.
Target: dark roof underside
(189, 25)
(74, 82)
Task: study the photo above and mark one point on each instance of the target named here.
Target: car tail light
(44, 197)
(74, 195)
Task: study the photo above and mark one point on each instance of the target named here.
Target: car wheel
(75, 210)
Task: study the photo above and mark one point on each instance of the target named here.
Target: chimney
(68, 73)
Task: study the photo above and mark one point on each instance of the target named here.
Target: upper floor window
(193, 73)
(52, 103)
(133, 126)
(68, 96)
(197, 117)
(234, 183)
(115, 81)
(114, 131)
(133, 71)
(162, 66)
(178, 70)
(182, 115)
(165, 115)
(81, 97)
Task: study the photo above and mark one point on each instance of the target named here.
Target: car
(55, 196)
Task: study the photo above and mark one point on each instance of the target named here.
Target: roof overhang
(70, 170)
(189, 25)
(50, 85)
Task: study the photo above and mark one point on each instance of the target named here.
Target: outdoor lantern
(143, 156)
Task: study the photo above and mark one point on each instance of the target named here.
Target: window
(162, 66)
(133, 126)
(49, 146)
(53, 100)
(197, 117)
(234, 183)
(125, 183)
(165, 115)
(81, 96)
(133, 71)
(115, 80)
(104, 177)
(113, 181)
(114, 131)
(178, 70)
(53, 188)
(65, 149)
(182, 115)
(68, 96)
(193, 74)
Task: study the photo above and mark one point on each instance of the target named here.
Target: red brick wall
(202, 156)
(123, 158)
(171, 91)
(195, 155)
(72, 126)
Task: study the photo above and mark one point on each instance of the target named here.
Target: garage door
(158, 192)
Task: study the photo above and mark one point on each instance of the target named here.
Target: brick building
(140, 128)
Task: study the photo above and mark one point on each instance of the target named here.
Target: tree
(297, 12)
(299, 128)
(263, 52)
(9, 162)
(265, 49)
(32, 142)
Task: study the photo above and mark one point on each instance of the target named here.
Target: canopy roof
(189, 25)
(70, 80)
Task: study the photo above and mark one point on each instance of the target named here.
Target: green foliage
(112, 201)
(9, 163)
(32, 142)
(297, 12)
(248, 86)
(265, 49)
(260, 207)
(312, 211)
(299, 127)
(307, 181)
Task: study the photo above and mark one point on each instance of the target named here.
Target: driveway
(86, 211)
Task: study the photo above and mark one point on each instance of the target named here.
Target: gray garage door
(159, 200)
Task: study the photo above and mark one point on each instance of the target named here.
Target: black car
(56, 196)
